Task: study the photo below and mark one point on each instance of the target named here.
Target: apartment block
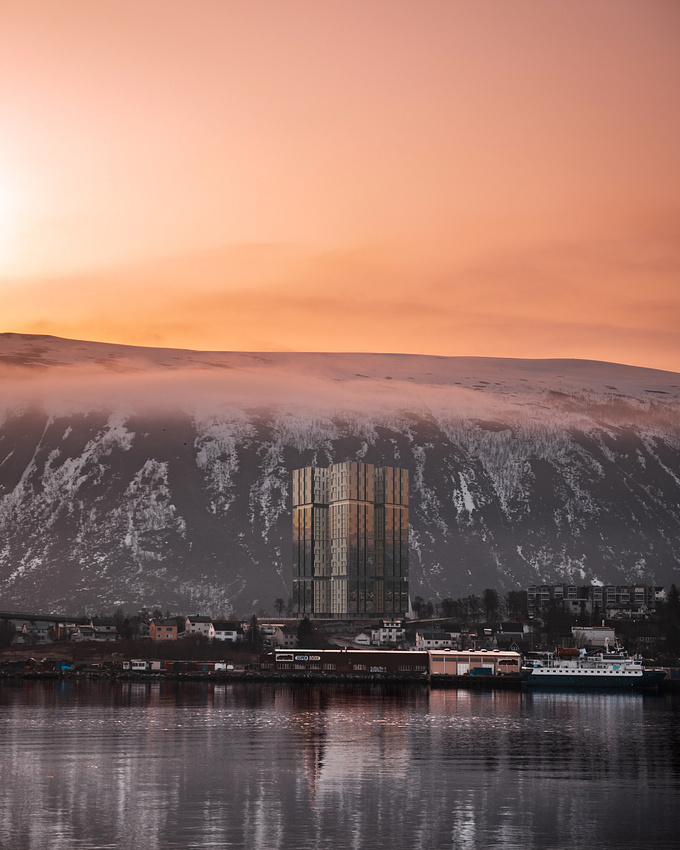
(605, 600)
(350, 541)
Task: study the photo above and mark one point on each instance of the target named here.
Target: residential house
(105, 628)
(37, 631)
(267, 630)
(607, 600)
(454, 630)
(198, 625)
(82, 633)
(65, 631)
(384, 633)
(227, 631)
(163, 629)
(284, 637)
(483, 639)
(433, 640)
(388, 632)
(510, 635)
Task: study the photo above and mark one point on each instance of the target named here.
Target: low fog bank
(64, 377)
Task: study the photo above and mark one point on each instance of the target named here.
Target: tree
(279, 605)
(448, 607)
(557, 622)
(123, 625)
(515, 604)
(473, 606)
(254, 635)
(7, 632)
(490, 603)
(305, 634)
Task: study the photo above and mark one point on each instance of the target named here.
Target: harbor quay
(482, 669)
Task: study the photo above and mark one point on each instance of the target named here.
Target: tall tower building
(391, 539)
(350, 541)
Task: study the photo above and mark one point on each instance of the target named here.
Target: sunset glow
(446, 177)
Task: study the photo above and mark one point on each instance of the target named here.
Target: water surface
(155, 766)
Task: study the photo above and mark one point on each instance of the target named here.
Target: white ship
(576, 669)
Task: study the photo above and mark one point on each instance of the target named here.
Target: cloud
(613, 298)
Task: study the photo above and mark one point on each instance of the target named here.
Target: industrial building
(413, 664)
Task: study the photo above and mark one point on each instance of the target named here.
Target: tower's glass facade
(350, 541)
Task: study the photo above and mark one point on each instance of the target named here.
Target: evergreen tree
(448, 607)
(516, 604)
(305, 634)
(490, 603)
(254, 636)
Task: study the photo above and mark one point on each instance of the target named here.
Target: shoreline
(486, 683)
(253, 676)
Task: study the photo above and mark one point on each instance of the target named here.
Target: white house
(600, 637)
(197, 625)
(388, 631)
(433, 640)
(228, 631)
(284, 637)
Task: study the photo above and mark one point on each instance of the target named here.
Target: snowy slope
(160, 476)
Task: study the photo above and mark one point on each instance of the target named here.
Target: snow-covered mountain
(133, 476)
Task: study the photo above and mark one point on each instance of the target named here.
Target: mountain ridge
(163, 477)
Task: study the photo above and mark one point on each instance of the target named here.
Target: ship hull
(591, 680)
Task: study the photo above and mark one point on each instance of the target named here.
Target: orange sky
(445, 176)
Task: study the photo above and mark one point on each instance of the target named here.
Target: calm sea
(132, 765)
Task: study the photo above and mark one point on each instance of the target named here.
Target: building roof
(226, 626)
(166, 622)
(199, 619)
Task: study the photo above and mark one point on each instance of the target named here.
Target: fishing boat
(577, 669)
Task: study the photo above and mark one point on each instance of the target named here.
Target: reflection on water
(95, 765)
